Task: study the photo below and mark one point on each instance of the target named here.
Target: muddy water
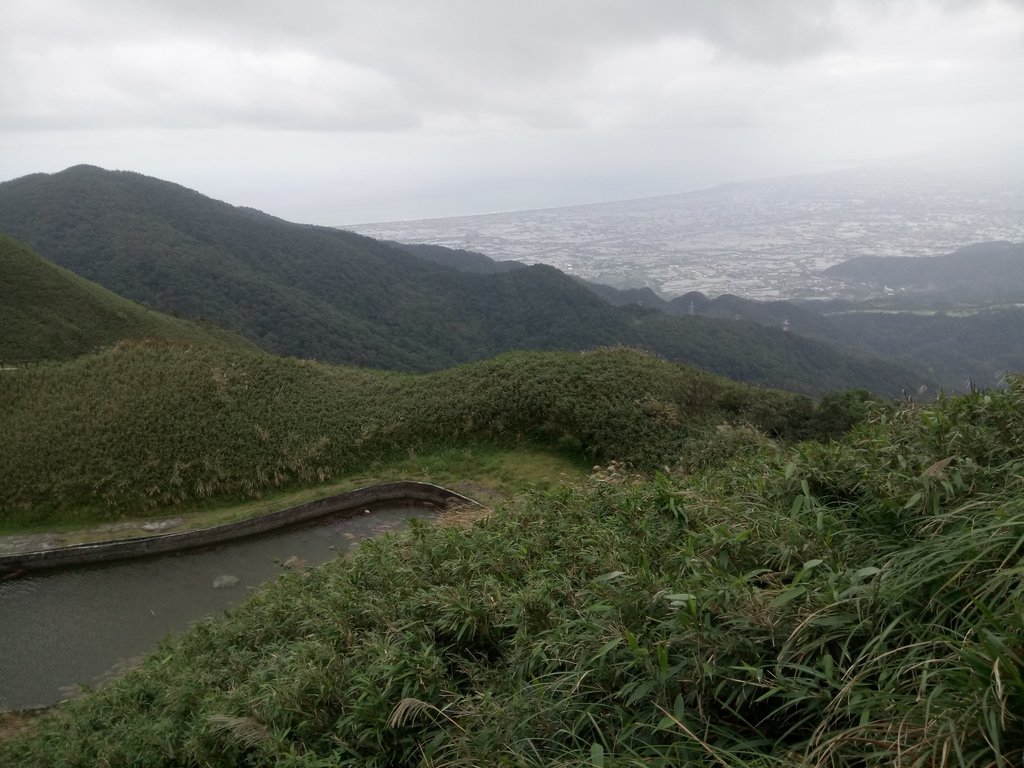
(60, 629)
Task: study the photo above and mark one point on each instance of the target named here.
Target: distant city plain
(764, 239)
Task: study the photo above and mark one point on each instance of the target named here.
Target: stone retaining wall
(352, 501)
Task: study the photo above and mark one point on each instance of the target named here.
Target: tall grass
(148, 425)
(850, 604)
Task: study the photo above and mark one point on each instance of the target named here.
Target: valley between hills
(723, 531)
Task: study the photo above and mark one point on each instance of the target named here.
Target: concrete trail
(49, 553)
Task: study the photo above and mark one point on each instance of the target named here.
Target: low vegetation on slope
(149, 424)
(845, 604)
(49, 313)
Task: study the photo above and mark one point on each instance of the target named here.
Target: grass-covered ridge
(149, 424)
(850, 604)
(49, 313)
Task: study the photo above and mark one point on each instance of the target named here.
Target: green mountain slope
(993, 270)
(457, 258)
(322, 293)
(49, 313)
(954, 349)
(155, 424)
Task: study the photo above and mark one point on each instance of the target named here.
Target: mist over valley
(768, 239)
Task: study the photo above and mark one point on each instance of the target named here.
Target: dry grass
(465, 516)
(19, 723)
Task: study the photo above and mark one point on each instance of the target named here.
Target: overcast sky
(335, 111)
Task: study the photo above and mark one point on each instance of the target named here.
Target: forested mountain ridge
(956, 349)
(319, 292)
(47, 312)
(458, 258)
(178, 251)
(956, 346)
(984, 271)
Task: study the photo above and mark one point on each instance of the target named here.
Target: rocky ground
(33, 542)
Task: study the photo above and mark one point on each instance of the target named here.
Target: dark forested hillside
(458, 258)
(982, 270)
(954, 348)
(956, 351)
(323, 293)
(49, 313)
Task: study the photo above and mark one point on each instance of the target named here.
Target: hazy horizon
(334, 112)
(896, 168)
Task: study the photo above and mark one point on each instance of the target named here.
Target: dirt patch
(16, 723)
(461, 517)
(487, 495)
(124, 529)
(30, 542)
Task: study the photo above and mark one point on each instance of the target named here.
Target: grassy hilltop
(153, 424)
(845, 604)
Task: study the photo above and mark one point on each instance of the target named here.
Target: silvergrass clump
(148, 425)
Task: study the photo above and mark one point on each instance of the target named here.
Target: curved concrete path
(351, 501)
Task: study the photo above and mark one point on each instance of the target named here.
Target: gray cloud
(117, 62)
(590, 97)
